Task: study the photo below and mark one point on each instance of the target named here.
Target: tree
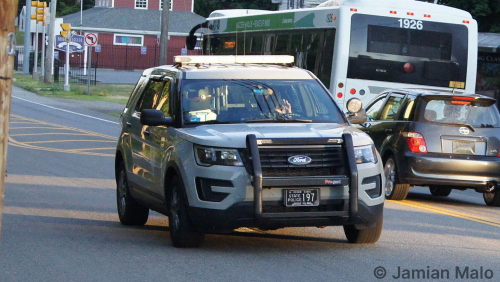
(205, 7)
(485, 12)
(65, 7)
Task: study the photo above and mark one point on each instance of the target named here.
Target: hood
(234, 135)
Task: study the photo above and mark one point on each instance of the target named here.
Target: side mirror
(191, 42)
(357, 118)
(155, 118)
(356, 114)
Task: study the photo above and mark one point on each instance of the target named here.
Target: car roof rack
(234, 60)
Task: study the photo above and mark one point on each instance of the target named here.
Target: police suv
(222, 142)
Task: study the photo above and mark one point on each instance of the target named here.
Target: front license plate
(302, 198)
(464, 147)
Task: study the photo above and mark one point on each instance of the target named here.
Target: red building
(129, 31)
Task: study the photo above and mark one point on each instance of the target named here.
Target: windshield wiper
(460, 124)
(280, 120)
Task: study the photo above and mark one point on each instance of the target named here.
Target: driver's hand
(285, 108)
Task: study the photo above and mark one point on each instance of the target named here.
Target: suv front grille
(327, 160)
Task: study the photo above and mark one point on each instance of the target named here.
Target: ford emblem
(299, 160)
(464, 130)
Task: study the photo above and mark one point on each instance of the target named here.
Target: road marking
(63, 110)
(63, 141)
(51, 133)
(95, 149)
(433, 209)
(21, 145)
(60, 181)
(35, 127)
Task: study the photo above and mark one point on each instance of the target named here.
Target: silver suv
(219, 142)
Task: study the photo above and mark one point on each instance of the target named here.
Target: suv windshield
(474, 113)
(237, 101)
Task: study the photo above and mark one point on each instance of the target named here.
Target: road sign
(56, 55)
(98, 48)
(90, 39)
(75, 45)
(184, 51)
(144, 50)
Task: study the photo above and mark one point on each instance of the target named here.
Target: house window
(171, 4)
(129, 40)
(141, 4)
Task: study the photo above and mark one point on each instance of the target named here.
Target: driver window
(392, 107)
(373, 111)
(150, 96)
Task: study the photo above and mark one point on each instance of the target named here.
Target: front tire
(364, 236)
(129, 211)
(182, 230)
(439, 191)
(492, 199)
(393, 189)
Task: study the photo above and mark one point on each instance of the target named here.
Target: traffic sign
(56, 55)
(144, 49)
(75, 45)
(184, 51)
(90, 39)
(98, 48)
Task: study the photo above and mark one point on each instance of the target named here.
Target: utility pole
(27, 38)
(164, 32)
(7, 51)
(49, 61)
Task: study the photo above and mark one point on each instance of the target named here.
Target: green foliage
(205, 7)
(485, 12)
(65, 7)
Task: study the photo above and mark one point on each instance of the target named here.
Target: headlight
(365, 154)
(208, 156)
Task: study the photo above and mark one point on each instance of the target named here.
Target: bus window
(325, 67)
(311, 44)
(256, 47)
(282, 44)
(408, 51)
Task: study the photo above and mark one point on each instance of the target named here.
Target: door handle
(129, 124)
(146, 132)
(389, 130)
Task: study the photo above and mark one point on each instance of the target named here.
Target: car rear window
(473, 112)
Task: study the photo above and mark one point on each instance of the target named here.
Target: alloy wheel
(390, 176)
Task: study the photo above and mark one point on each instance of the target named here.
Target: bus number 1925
(411, 24)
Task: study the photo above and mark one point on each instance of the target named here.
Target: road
(60, 221)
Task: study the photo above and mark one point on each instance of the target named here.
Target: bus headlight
(365, 154)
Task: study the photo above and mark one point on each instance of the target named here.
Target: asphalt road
(60, 221)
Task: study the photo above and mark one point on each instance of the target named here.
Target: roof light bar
(265, 59)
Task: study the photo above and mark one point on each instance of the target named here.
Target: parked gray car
(442, 140)
(220, 146)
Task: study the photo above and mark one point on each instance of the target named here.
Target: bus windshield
(408, 51)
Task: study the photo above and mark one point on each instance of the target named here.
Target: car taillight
(416, 142)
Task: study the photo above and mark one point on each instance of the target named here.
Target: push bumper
(270, 215)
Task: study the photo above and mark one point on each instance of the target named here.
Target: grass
(101, 92)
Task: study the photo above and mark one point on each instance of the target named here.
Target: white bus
(357, 48)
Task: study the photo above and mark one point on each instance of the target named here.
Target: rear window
(475, 113)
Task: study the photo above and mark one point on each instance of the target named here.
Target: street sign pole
(66, 75)
(42, 71)
(27, 39)
(35, 65)
(89, 68)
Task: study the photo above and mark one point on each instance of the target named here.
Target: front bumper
(451, 170)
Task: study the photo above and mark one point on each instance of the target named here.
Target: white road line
(63, 110)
